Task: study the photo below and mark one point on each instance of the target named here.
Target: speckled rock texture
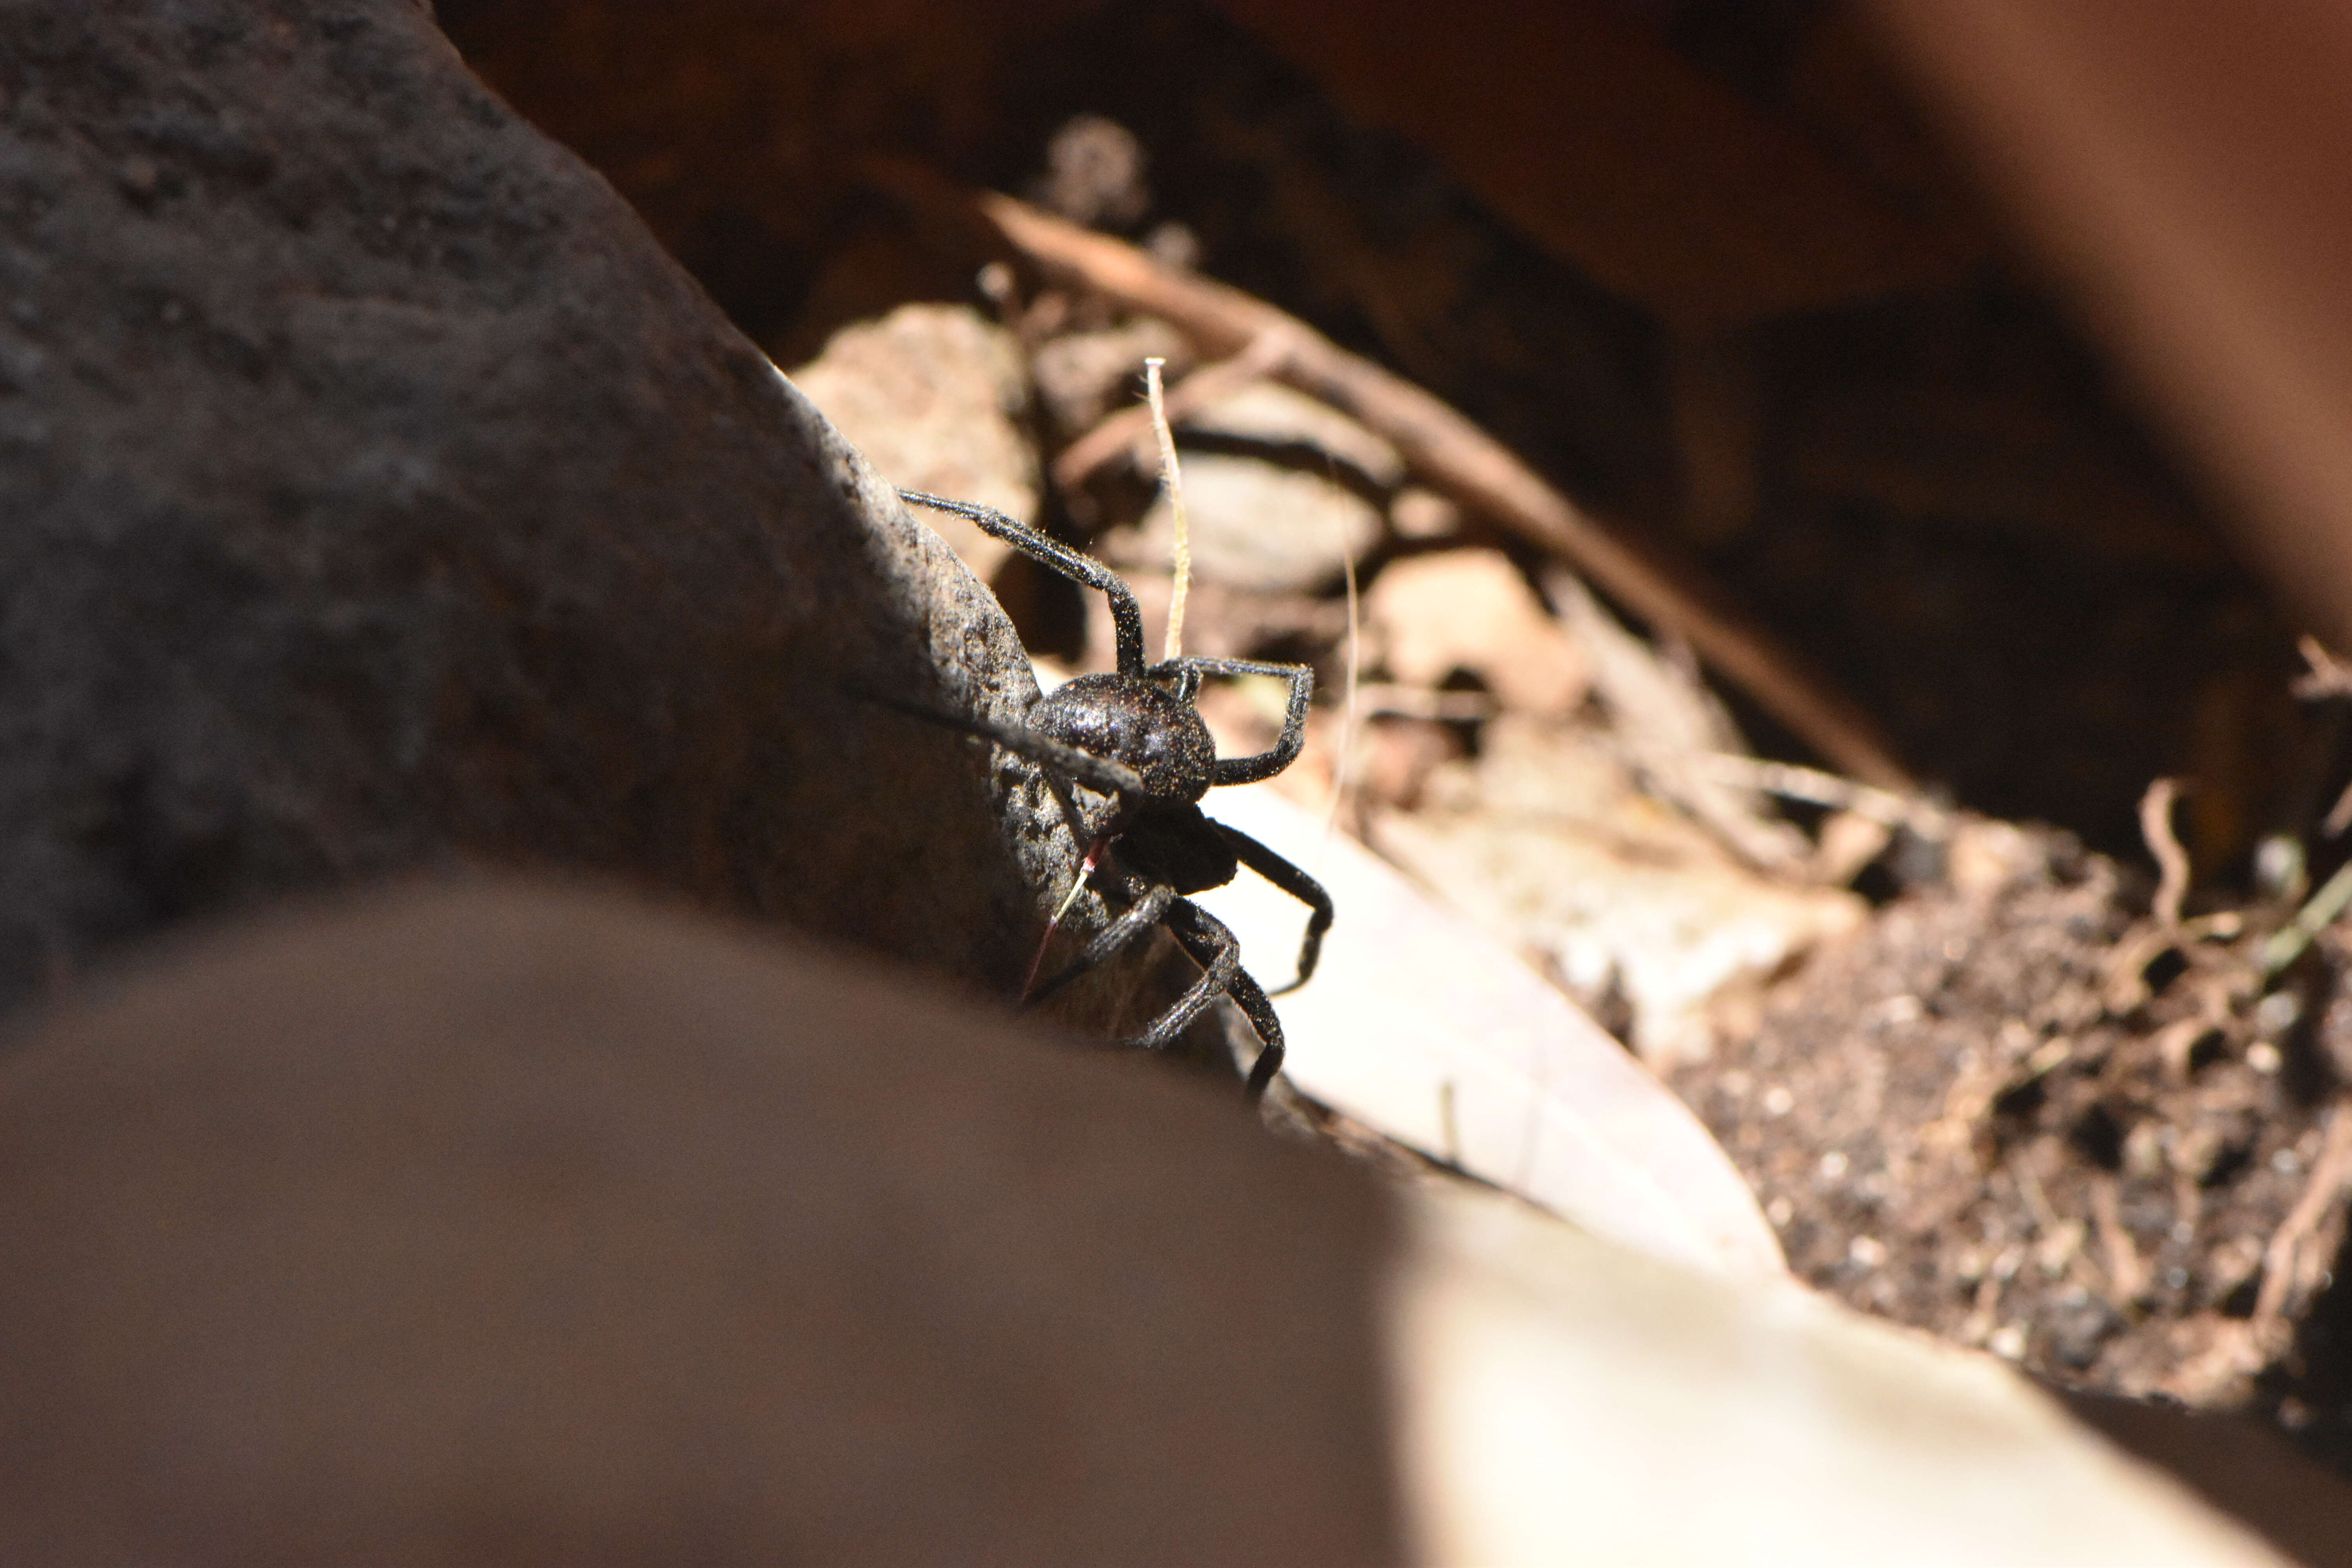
(375, 492)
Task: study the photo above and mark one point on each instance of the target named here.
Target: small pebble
(1778, 1101)
(1866, 1252)
(2008, 1342)
(2275, 1013)
(1833, 1167)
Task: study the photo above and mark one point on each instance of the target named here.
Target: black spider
(1136, 737)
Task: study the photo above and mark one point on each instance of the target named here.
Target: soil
(2030, 1118)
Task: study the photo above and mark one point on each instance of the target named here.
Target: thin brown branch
(2171, 859)
(2327, 675)
(1447, 452)
(2286, 1272)
(1127, 432)
(2127, 1273)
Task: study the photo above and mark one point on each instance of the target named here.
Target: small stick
(1122, 433)
(2339, 816)
(1812, 785)
(2281, 1259)
(2171, 859)
(2327, 675)
(1386, 699)
(1171, 480)
(2318, 912)
(2126, 1271)
(1449, 452)
(1343, 770)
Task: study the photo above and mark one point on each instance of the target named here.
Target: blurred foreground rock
(499, 1224)
(514, 1226)
(374, 491)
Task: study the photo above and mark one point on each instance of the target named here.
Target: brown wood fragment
(1440, 446)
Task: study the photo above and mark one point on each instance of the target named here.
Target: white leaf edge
(1421, 1025)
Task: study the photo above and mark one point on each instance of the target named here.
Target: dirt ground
(2026, 1117)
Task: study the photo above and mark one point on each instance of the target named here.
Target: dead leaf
(1561, 1400)
(1420, 1024)
(1429, 615)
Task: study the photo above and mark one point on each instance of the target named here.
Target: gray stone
(375, 492)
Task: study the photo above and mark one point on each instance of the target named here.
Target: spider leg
(1291, 880)
(1266, 765)
(1126, 621)
(1138, 917)
(1249, 998)
(1099, 773)
(1213, 947)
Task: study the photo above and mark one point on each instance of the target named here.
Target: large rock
(374, 491)
(513, 1226)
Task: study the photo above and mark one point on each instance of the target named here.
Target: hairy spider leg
(1126, 621)
(1132, 922)
(1097, 773)
(1291, 880)
(1266, 765)
(1115, 779)
(1211, 944)
(1202, 934)
(1213, 947)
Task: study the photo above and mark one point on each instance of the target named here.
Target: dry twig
(2287, 1269)
(1129, 432)
(2318, 912)
(2327, 675)
(2172, 861)
(1172, 484)
(2127, 1273)
(1446, 450)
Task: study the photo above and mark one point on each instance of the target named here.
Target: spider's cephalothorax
(1135, 735)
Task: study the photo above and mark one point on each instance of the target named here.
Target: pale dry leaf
(1668, 723)
(1428, 615)
(1561, 1400)
(936, 398)
(1420, 1024)
(1547, 843)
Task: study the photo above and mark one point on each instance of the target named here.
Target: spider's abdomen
(1134, 722)
(1177, 845)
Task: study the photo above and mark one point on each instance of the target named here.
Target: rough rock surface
(375, 491)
